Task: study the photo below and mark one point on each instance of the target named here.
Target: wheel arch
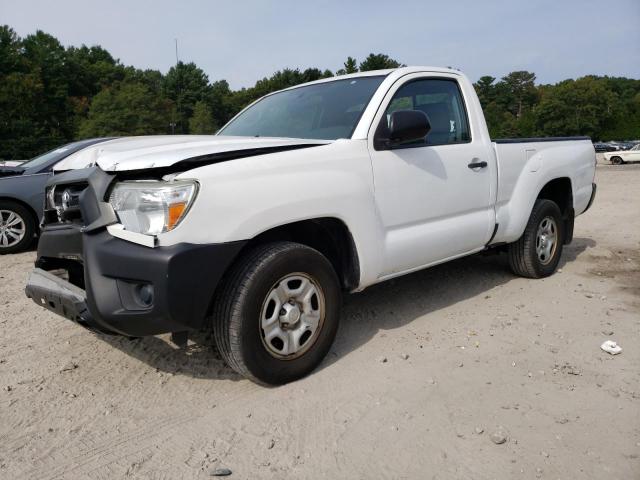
(560, 191)
(329, 235)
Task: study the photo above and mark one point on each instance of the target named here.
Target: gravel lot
(427, 372)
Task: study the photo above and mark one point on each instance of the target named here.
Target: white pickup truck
(319, 189)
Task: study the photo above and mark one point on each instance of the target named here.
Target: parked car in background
(626, 145)
(22, 195)
(624, 156)
(604, 147)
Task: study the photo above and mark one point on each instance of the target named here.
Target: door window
(441, 100)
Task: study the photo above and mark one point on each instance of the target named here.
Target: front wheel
(277, 312)
(537, 252)
(17, 227)
(617, 160)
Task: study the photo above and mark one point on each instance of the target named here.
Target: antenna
(174, 122)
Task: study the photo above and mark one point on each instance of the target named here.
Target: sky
(245, 40)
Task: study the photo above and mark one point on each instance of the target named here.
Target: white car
(320, 189)
(624, 156)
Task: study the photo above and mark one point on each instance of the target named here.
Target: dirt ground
(487, 353)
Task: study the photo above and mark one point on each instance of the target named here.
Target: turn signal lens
(175, 214)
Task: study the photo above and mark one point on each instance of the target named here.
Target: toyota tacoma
(308, 193)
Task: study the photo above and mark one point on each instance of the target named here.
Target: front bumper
(128, 289)
(112, 285)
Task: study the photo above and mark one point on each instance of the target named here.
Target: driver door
(432, 204)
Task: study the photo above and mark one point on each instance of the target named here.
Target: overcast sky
(244, 40)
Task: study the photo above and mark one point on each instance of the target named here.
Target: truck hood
(140, 153)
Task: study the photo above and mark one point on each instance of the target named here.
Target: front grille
(62, 203)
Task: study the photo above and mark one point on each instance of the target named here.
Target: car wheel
(277, 312)
(17, 227)
(617, 160)
(537, 252)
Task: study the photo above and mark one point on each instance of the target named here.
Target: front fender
(240, 199)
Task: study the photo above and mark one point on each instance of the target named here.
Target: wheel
(17, 227)
(277, 313)
(617, 160)
(537, 252)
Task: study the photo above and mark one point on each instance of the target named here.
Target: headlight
(152, 207)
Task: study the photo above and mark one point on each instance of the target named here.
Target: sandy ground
(486, 351)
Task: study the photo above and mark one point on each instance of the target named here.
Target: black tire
(523, 256)
(238, 306)
(617, 160)
(29, 227)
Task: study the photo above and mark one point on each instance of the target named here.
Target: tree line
(51, 95)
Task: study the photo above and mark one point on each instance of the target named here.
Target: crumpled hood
(138, 153)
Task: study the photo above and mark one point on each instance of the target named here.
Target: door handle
(474, 164)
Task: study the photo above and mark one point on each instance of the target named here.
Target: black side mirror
(407, 126)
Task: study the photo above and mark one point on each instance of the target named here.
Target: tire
(617, 160)
(15, 237)
(532, 256)
(251, 294)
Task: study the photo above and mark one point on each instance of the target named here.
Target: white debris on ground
(611, 347)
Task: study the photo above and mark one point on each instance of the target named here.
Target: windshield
(324, 111)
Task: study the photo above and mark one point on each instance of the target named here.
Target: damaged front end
(90, 272)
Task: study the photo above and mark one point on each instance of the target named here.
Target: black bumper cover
(181, 278)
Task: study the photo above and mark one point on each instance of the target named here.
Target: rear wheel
(617, 160)
(277, 312)
(537, 252)
(17, 227)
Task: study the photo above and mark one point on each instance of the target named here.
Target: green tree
(34, 106)
(185, 84)
(485, 89)
(350, 66)
(519, 91)
(49, 94)
(575, 107)
(202, 122)
(126, 108)
(378, 61)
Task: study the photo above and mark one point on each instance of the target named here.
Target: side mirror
(407, 126)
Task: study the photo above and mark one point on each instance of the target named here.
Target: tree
(126, 108)
(575, 107)
(11, 55)
(50, 94)
(378, 61)
(202, 122)
(220, 101)
(485, 89)
(520, 91)
(350, 66)
(185, 84)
